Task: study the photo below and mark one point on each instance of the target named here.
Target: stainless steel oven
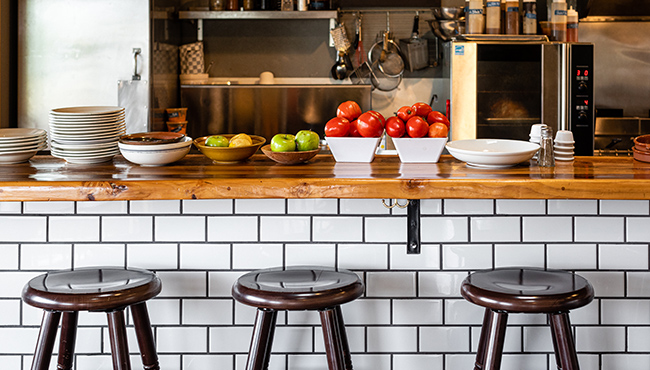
(500, 88)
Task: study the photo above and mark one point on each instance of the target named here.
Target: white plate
(96, 146)
(89, 154)
(95, 126)
(492, 153)
(21, 143)
(88, 142)
(11, 134)
(111, 134)
(85, 131)
(86, 110)
(85, 121)
(13, 158)
(27, 148)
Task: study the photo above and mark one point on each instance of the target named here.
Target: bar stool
(526, 290)
(105, 289)
(298, 288)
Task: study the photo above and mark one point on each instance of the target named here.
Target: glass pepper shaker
(545, 156)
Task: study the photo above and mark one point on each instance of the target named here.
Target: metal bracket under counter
(413, 241)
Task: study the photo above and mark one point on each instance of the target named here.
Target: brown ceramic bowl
(642, 156)
(289, 157)
(152, 138)
(642, 143)
(229, 154)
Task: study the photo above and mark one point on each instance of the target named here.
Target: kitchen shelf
(258, 14)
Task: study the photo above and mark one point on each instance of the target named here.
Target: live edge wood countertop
(197, 177)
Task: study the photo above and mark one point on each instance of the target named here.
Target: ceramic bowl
(156, 155)
(492, 153)
(152, 138)
(228, 154)
(353, 149)
(642, 156)
(642, 143)
(295, 157)
(420, 150)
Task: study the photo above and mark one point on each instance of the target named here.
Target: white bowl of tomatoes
(353, 135)
(419, 133)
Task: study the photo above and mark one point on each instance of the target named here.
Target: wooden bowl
(229, 154)
(289, 157)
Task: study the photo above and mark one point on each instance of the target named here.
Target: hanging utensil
(343, 67)
(390, 61)
(361, 54)
(416, 50)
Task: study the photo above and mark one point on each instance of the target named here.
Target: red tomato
(417, 127)
(381, 118)
(421, 109)
(354, 130)
(349, 110)
(438, 129)
(436, 116)
(369, 125)
(395, 127)
(405, 113)
(337, 127)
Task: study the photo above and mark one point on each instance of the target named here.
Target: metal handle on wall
(136, 75)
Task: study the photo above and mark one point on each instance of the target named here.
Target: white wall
(411, 316)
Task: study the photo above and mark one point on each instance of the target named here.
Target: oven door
(499, 90)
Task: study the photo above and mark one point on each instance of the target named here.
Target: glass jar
(558, 20)
(493, 17)
(530, 17)
(217, 5)
(512, 17)
(475, 19)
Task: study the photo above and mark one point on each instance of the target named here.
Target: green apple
(307, 140)
(217, 140)
(283, 143)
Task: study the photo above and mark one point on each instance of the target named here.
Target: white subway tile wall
(411, 316)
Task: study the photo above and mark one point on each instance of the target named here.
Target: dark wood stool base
(299, 288)
(529, 290)
(63, 294)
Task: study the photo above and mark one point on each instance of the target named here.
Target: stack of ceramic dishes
(18, 145)
(86, 134)
(563, 146)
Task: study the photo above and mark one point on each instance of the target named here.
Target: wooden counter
(196, 177)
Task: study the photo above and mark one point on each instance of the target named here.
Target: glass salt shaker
(545, 156)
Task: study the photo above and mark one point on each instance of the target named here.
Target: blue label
(475, 11)
(560, 12)
(491, 4)
(513, 9)
(531, 15)
(459, 49)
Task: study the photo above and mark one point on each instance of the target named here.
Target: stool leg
(490, 346)
(565, 350)
(46, 338)
(144, 334)
(345, 348)
(332, 337)
(259, 353)
(67, 340)
(119, 346)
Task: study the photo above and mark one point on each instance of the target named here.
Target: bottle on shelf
(512, 17)
(493, 17)
(248, 5)
(558, 20)
(232, 5)
(503, 16)
(475, 18)
(217, 5)
(572, 25)
(530, 17)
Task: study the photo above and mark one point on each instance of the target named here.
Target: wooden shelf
(196, 177)
(258, 14)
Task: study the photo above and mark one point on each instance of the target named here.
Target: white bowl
(492, 153)
(16, 157)
(353, 149)
(156, 155)
(419, 150)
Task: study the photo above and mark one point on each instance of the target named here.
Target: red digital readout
(583, 72)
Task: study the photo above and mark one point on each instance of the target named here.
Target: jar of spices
(512, 17)
(249, 5)
(217, 5)
(493, 17)
(530, 17)
(232, 4)
(558, 20)
(475, 19)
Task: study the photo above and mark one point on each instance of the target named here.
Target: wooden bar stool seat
(298, 288)
(105, 289)
(526, 290)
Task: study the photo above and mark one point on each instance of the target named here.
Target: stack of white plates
(564, 146)
(18, 145)
(86, 134)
